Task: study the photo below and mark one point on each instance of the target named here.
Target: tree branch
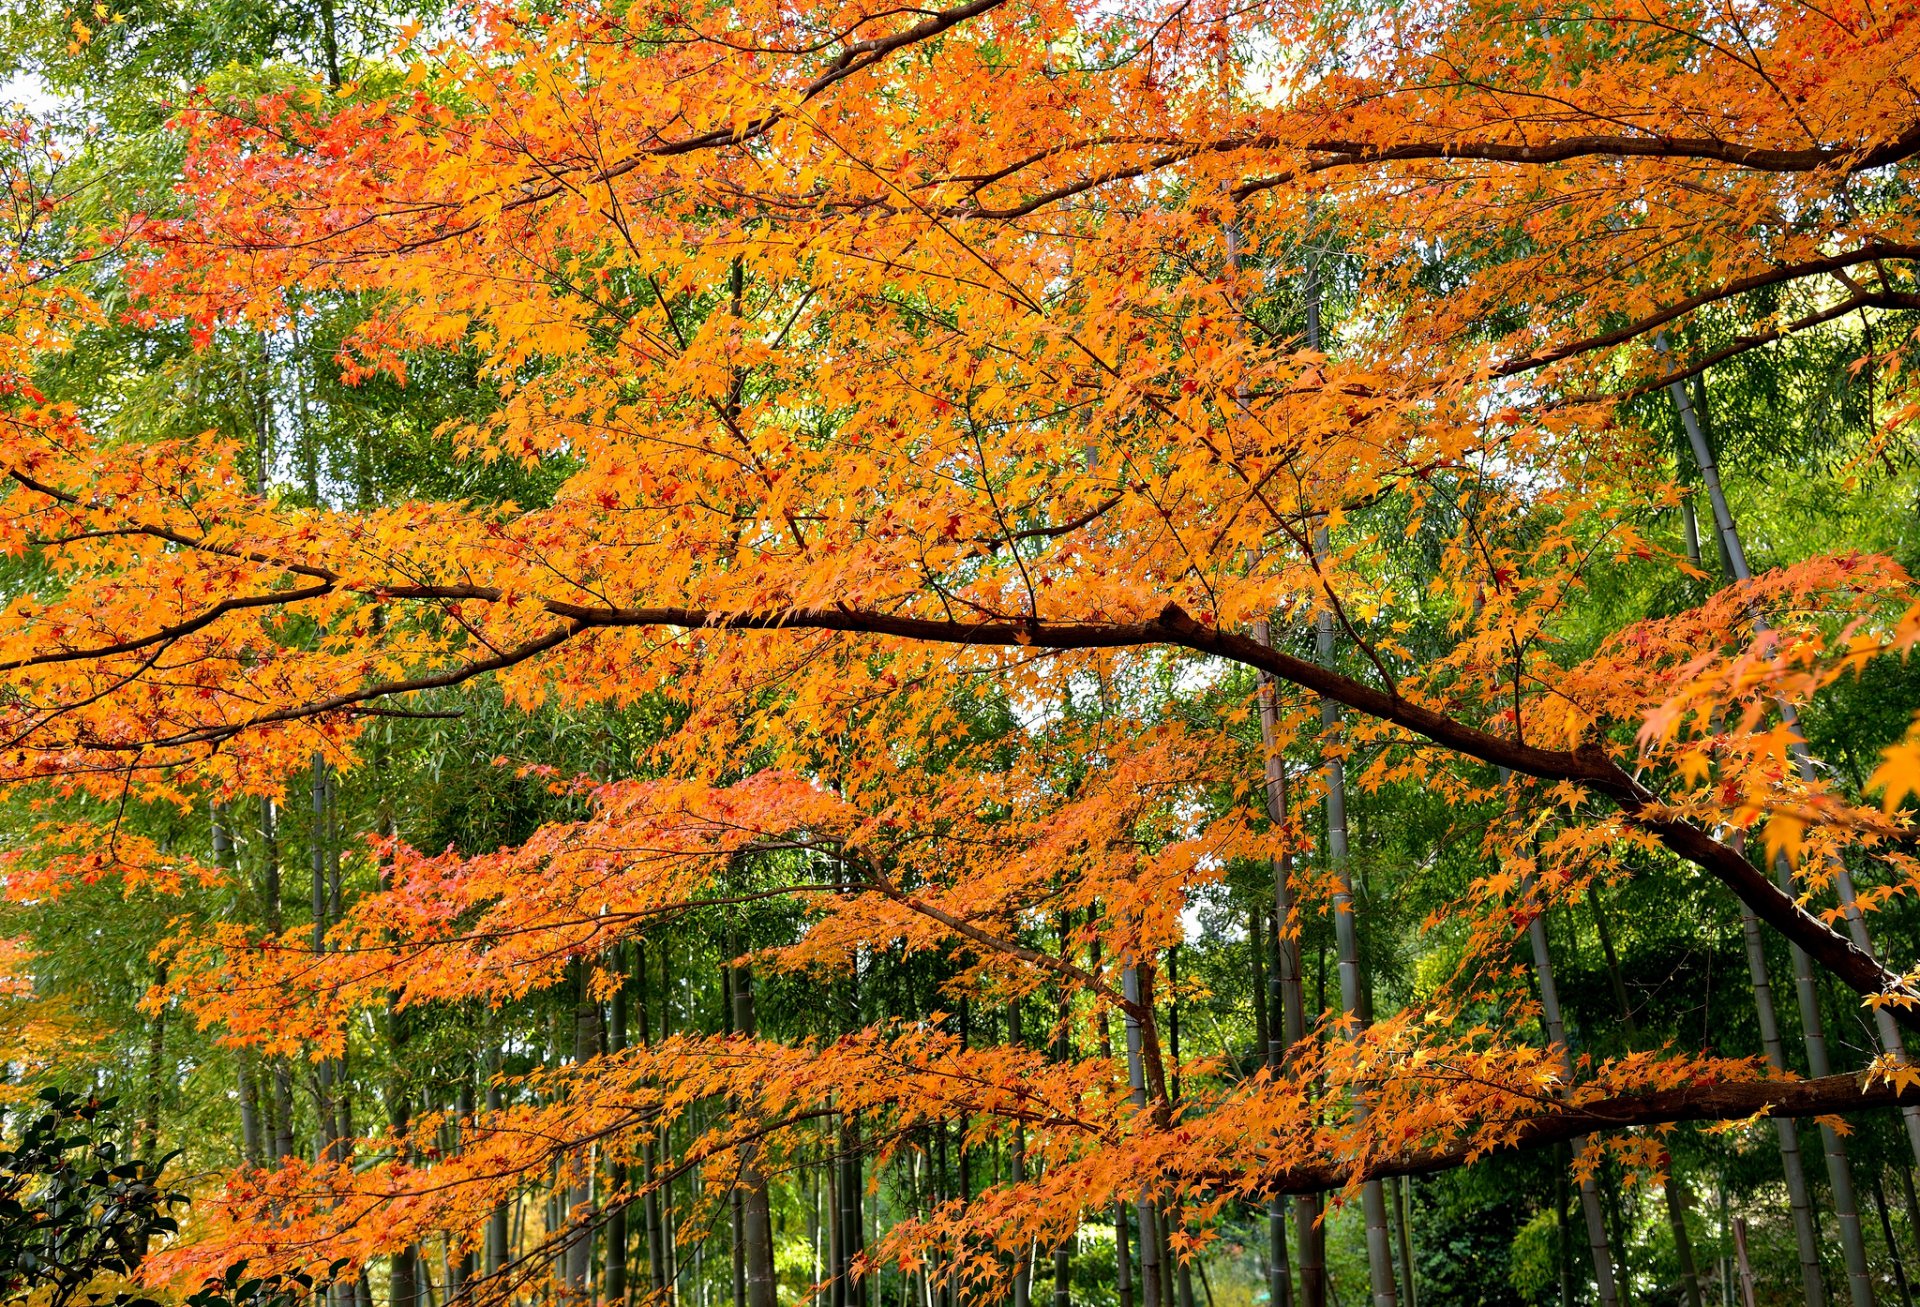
(1718, 1102)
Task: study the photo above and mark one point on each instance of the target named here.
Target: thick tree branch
(1774, 276)
(1338, 154)
(1588, 766)
(1829, 1095)
(1704, 149)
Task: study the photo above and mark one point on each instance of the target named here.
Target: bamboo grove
(1148, 652)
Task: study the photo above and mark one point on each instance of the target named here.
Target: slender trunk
(757, 1205)
(279, 1133)
(1597, 1240)
(942, 1191)
(1063, 1273)
(586, 1021)
(614, 1275)
(1257, 950)
(1806, 1233)
(1893, 1245)
(657, 1277)
(1402, 1194)
(263, 391)
(149, 1136)
(407, 1269)
(252, 1150)
(1727, 1246)
(1740, 1255)
(1372, 1197)
(1617, 1224)
(1062, 1054)
(1168, 1280)
(1179, 1267)
(1853, 1248)
(658, 1272)
(736, 1215)
(1678, 1200)
(330, 44)
(1286, 1027)
(498, 1250)
(323, 1069)
(1315, 1286)
(1884, 1023)
(1907, 1194)
(819, 1219)
(252, 1131)
(460, 1274)
(1562, 1223)
(1143, 1205)
(1023, 1264)
(1690, 524)
(1122, 1254)
(283, 1140)
(839, 1210)
(1677, 1204)
(336, 912)
(852, 1172)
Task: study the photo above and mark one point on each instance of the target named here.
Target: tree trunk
(1677, 1204)
(1690, 525)
(279, 1119)
(579, 1245)
(1893, 1245)
(460, 1273)
(1023, 1261)
(1062, 1054)
(657, 1279)
(499, 1247)
(1182, 1271)
(405, 1270)
(1678, 1200)
(1257, 948)
(252, 1132)
(849, 1213)
(1315, 1286)
(1372, 1200)
(1617, 1224)
(1122, 1254)
(1402, 1195)
(1597, 1239)
(1740, 1253)
(1806, 1234)
(149, 1137)
(614, 1280)
(1287, 1023)
(323, 1069)
(757, 1204)
(252, 1148)
(1143, 1205)
(836, 1183)
(949, 1283)
(1853, 1248)
(1852, 1243)
(1563, 1238)
(1907, 1194)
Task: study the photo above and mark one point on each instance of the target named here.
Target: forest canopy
(1152, 651)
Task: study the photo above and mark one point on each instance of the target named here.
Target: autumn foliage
(1089, 360)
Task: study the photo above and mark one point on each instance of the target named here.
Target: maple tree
(862, 367)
